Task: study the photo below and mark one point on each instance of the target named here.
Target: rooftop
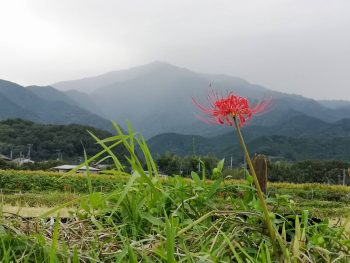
(71, 167)
(4, 157)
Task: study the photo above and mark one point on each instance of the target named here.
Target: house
(22, 160)
(4, 158)
(66, 168)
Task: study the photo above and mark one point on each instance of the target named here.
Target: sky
(293, 46)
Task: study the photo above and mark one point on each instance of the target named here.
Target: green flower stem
(258, 189)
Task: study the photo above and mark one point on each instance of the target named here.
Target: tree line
(307, 171)
(42, 142)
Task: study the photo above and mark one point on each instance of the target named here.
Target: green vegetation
(34, 181)
(175, 165)
(151, 219)
(37, 166)
(50, 141)
(310, 171)
(37, 199)
(32, 189)
(300, 138)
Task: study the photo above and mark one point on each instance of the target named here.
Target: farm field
(198, 206)
(322, 200)
(133, 217)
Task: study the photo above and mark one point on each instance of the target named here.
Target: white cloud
(294, 46)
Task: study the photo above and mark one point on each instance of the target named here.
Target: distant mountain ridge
(44, 105)
(156, 98)
(302, 137)
(71, 97)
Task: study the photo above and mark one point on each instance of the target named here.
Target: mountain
(302, 137)
(51, 94)
(9, 109)
(44, 105)
(84, 101)
(157, 98)
(335, 104)
(182, 145)
(71, 97)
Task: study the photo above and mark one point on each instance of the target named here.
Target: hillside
(71, 97)
(44, 105)
(300, 138)
(49, 140)
(157, 98)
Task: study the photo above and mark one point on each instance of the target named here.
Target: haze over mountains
(157, 99)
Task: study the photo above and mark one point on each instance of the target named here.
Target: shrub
(35, 181)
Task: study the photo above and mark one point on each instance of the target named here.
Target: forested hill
(299, 138)
(48, 140)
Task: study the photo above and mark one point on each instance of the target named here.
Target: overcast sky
(296, 46)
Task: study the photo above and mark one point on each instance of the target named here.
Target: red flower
(222, 109)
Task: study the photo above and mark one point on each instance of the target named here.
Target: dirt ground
(34, 211)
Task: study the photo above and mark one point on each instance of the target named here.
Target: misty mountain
(71, 97)
(157, 98)
(303, 137)
(51, 94)
(9, 109)
(335, 104)
(84, 101)
(44, 105)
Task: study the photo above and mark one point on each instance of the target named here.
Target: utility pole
(29, 148)
(231, 162)
(59, 155)
(344, 176)
(11, 152)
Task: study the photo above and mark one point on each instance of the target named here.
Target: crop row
(37, 181)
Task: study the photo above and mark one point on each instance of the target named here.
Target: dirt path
(342, 222)
(34, 211)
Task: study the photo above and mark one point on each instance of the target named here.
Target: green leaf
(220, 165)
(250, 179)
(214, 187)
(196, 178)
(150, 218)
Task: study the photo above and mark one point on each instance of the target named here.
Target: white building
(22, 160)
(66, 168)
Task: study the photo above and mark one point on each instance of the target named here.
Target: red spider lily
(223, 109)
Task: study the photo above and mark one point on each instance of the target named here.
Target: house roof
(4, 157)
(71, 167)
(22, 160)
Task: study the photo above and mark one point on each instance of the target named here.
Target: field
(121, 217)
(193, 209)
(35, 189)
